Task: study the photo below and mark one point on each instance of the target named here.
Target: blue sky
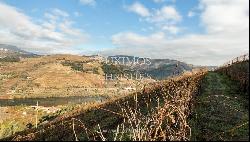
(107, 17)
(194, 31)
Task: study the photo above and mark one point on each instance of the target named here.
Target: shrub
(9, 59)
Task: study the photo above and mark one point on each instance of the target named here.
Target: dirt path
(221, 112)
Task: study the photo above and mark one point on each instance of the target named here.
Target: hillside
(50, 76)
(197, 106)
(164, 102)
(26, 75)
(158, 69)
(76, 97)
(12, 53)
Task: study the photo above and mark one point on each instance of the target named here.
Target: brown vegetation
(238, 71)
(159, 112)
(54, 76)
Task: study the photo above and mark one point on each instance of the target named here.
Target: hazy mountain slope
(13, 53)
(48, 76)
(57, 76)
(157, 68)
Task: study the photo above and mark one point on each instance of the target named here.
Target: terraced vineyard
(159, 112)
(198, 105)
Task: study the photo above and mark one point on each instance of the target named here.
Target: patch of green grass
(10, 59)
(8, 128)
(220, 112)
(62, 111)
(78, 66)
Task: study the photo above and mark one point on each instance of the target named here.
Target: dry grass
(46, 76)
(165, 121)
(238, 71)
(158, 112)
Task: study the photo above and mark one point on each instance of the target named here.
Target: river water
(49, 102)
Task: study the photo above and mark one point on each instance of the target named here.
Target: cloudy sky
(201, 32)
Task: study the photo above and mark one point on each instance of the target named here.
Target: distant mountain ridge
(10, 52)
(157, 68)
(13, 49)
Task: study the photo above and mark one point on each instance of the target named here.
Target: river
(49, 102)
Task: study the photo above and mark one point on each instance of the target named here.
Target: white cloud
(196, 49)
(191, 14)
(225, 15)
(48, 36)
(167, 14)
(171, 29)
(139, 9)
(59, 12)
(88, 2)
(161, 1)
(165, 18)
(133, 39)
(227, 36)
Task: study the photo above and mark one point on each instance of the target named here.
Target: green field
(221, 111)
